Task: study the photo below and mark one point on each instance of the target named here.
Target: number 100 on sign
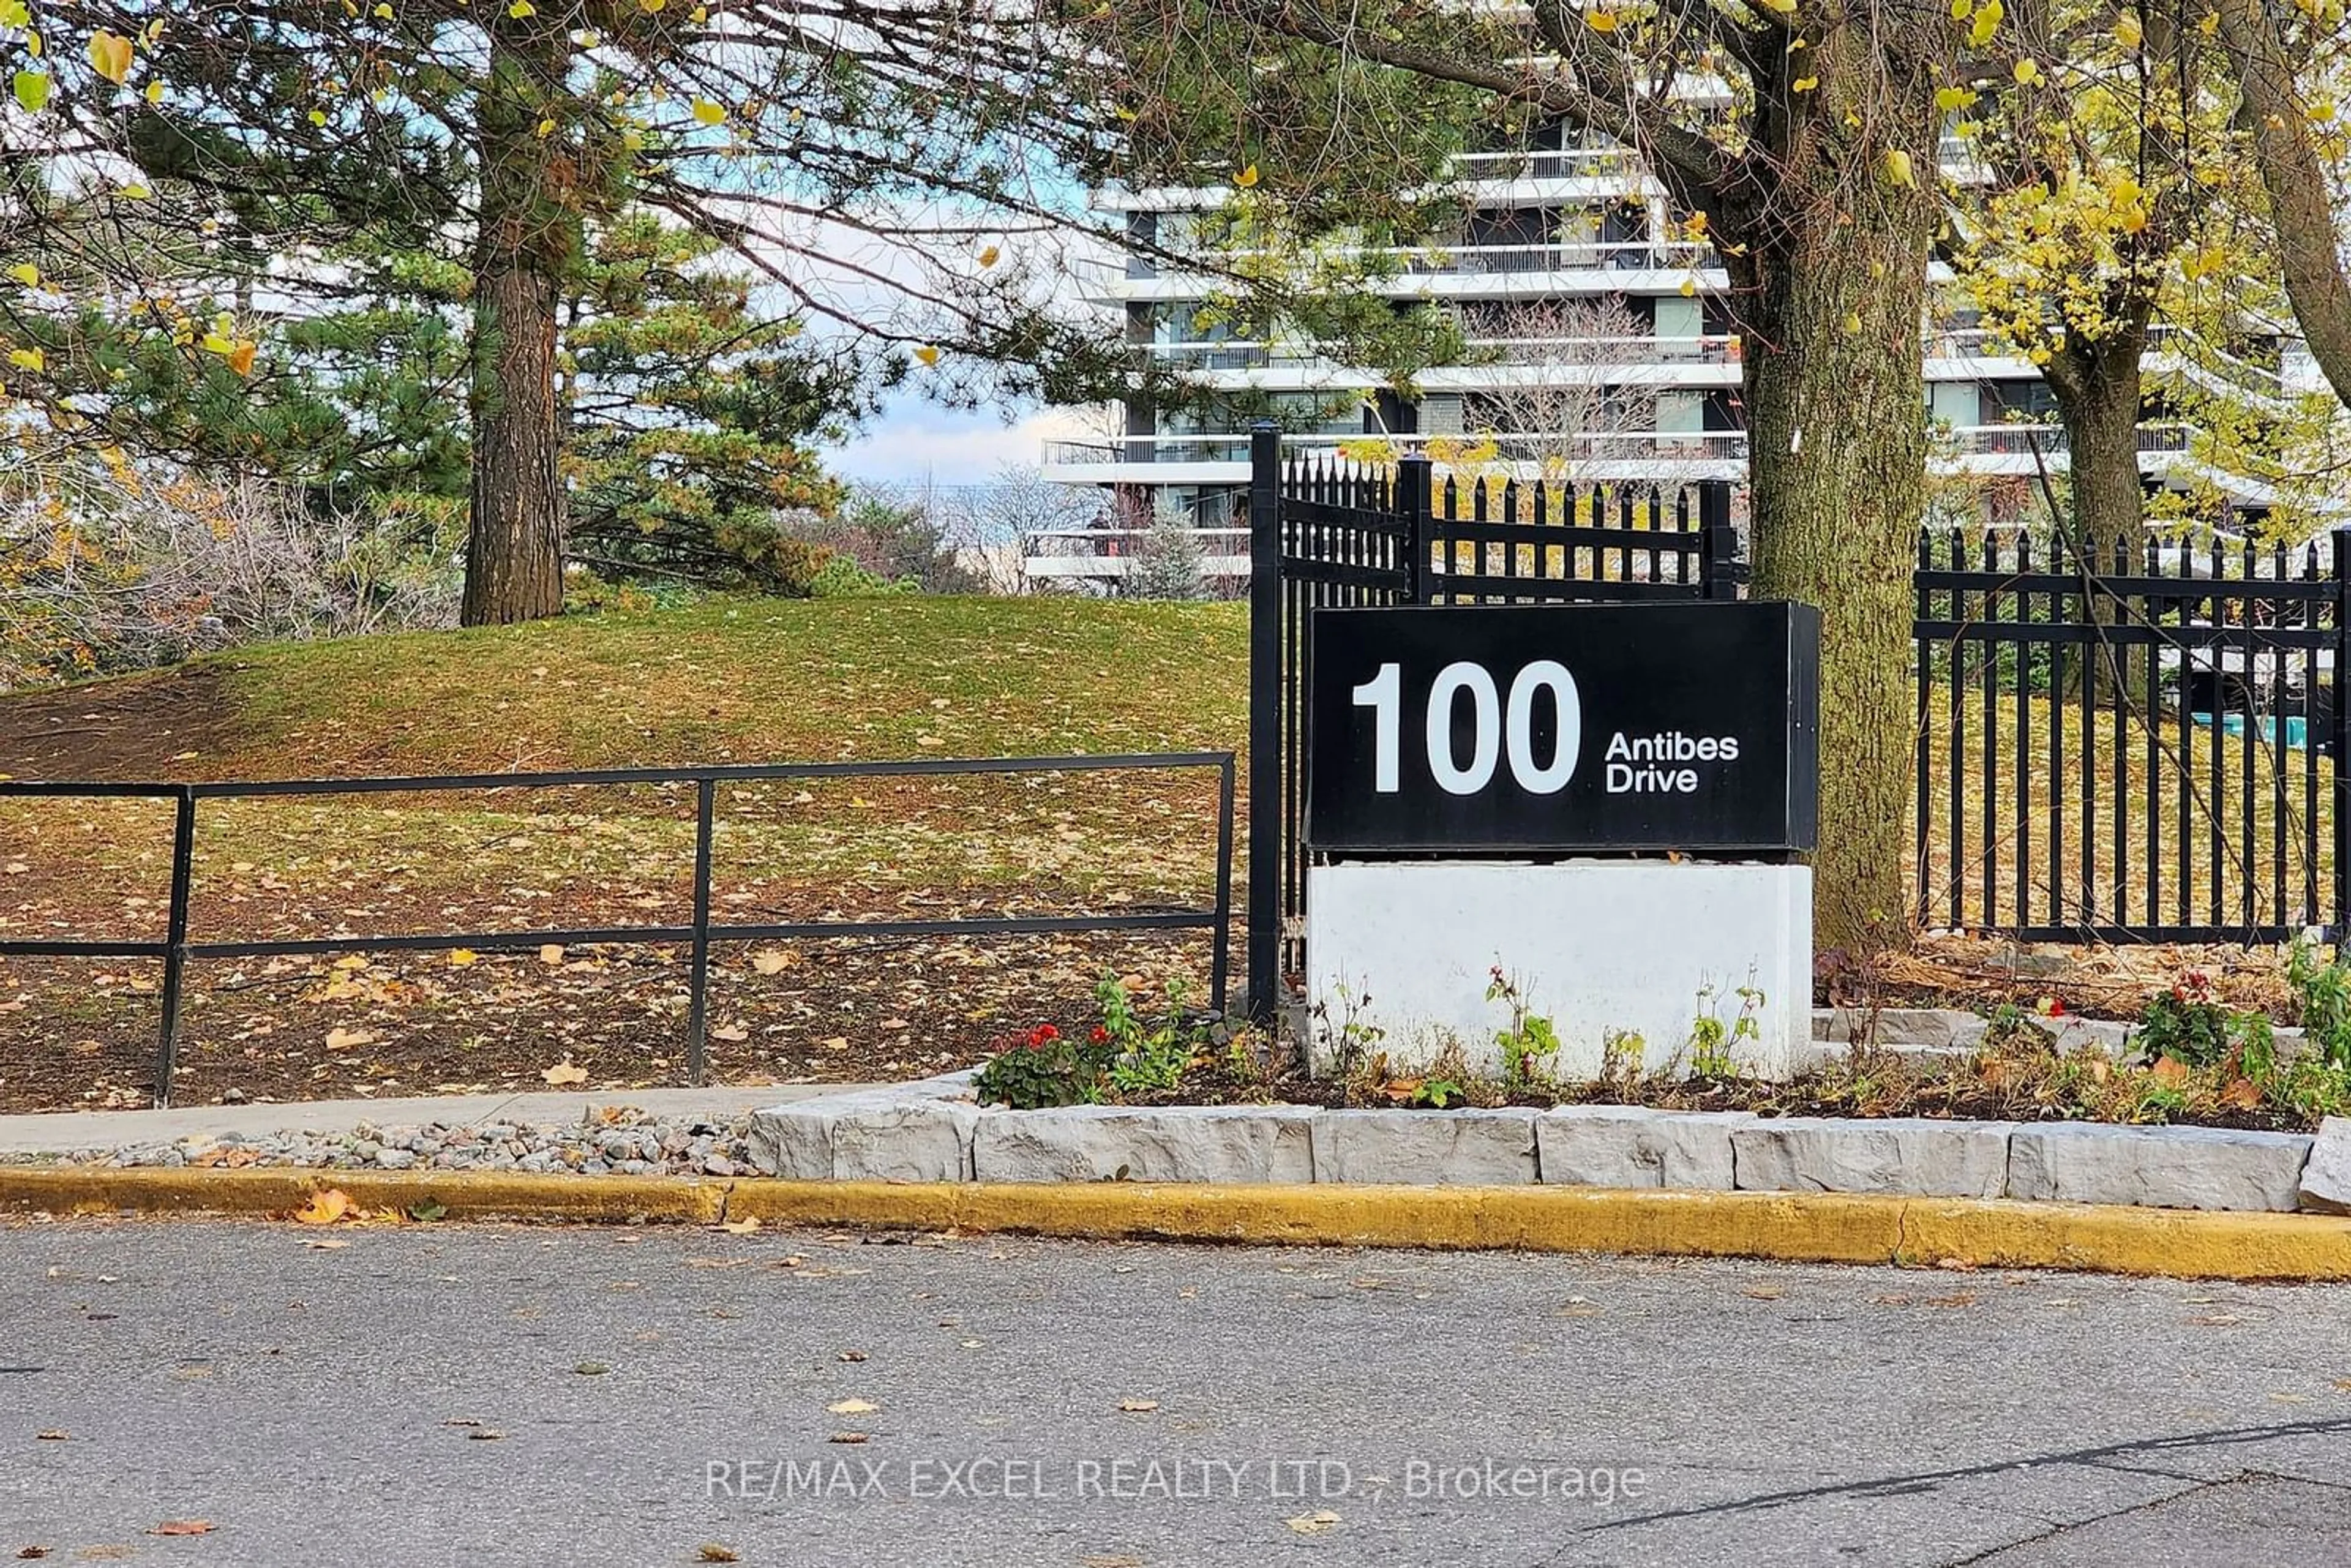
(1496, 729)
(1568, 727)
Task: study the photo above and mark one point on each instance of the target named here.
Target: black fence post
(1720, 539)
(176, 942)
(1265, 848)
(1415, 504)
(1220, 962)
(2340, 713)
(697, 1012)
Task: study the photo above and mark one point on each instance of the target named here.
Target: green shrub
(2187, 1025)
(1042, 1069)
(841, 578)
(2324, 993)
(1144, 1057)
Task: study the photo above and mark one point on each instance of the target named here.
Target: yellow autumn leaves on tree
(109, 56)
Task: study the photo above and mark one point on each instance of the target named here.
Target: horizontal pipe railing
(177, 947)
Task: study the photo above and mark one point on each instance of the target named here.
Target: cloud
(913, 440)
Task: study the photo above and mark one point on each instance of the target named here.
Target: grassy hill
(727, 679)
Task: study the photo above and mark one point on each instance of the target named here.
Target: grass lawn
(729, 680)
(747, 680)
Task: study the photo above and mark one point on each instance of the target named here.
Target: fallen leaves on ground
(743, 1227)
(852, 1407)
(564, 1073)
(184, 1527)
(712, 1552)
(326, 1207)
(53, 1436)
(1137, 1407)
(848, 1437)
(592, 1369)
(1313, 1523)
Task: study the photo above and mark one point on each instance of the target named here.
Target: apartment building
(1599, 345)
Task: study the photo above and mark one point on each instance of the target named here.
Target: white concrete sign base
(1633, 954)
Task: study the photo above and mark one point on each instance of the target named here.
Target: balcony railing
(1549, 163)
(2019, 440)
(1608, 163)
(1243, 354)
(2012, 440)
(1618, 255)
(1115, 541)
(1711, 348)
(1229, 355)
(1512, 447)
(1614, 255)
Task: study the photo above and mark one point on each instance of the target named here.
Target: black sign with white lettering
(1564, 727)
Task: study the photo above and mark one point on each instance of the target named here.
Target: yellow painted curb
(280, 1190)
(1821, 1227)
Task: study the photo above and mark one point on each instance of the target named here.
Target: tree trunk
(1836, 406)
(513, 542)
(2287, 155)
(2097, 387)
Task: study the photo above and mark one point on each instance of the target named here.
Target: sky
(914, 439)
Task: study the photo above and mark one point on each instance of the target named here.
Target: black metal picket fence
(2139, 749)
(176, 948)
(1328, 533)
(2143, 748)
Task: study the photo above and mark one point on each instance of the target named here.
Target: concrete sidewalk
(65, 1131)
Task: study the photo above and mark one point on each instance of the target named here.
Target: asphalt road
(436, 1394)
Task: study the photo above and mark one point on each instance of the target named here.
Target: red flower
(1100, 1036)
(1043, 1035)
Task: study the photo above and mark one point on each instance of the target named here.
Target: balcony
(1105, 555)
(2013, 449)
(1224, 354)
(1615, 256)
(1714, 349)
(2023, 440)
(1679, 257)
(1610, 446)
(1611, 163)
(1249, 353)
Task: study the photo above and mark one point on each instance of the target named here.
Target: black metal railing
(1328, 533)
(2142, 747)
(2148, 747)
(175, 949)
